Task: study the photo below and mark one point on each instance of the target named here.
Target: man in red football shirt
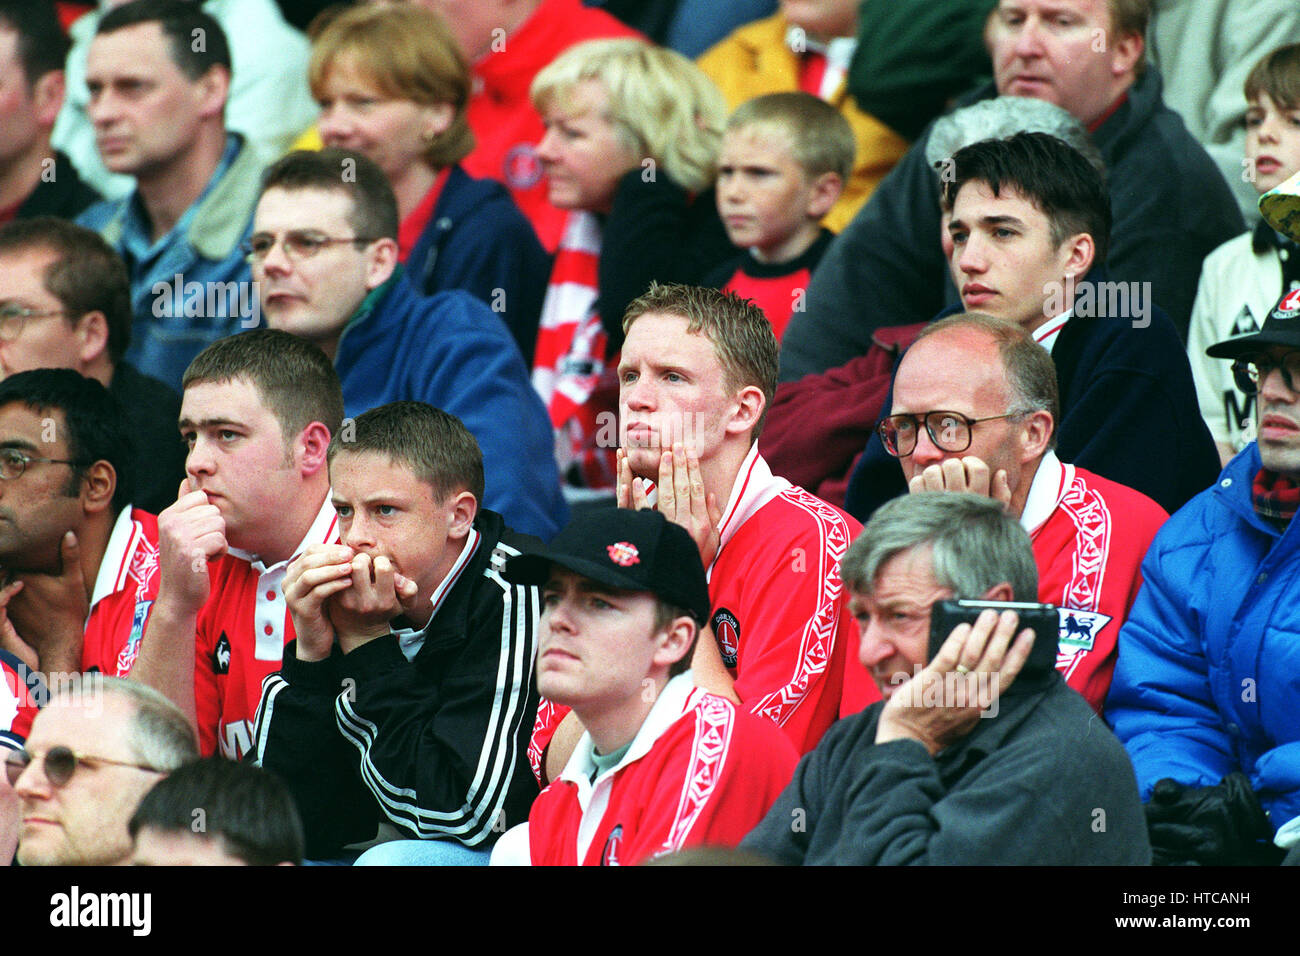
(257, 413)
(698, 371)
(81, 562)
(662, 764)
(975, 409)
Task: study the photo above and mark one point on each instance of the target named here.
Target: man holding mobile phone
(935, 774)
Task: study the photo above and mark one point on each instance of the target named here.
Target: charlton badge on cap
(1288, 307)
(624, 554)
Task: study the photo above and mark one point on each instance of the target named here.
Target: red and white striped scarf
(570, 371)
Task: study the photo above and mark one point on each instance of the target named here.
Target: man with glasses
(974, 409)
(324, 256)
(81, 563)
(65, 302)
(1204, 696)
(1028, 224)
(94, 751)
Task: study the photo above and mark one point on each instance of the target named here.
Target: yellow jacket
(754, 60)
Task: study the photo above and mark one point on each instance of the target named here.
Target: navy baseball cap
(1281, 327)
(624, 549)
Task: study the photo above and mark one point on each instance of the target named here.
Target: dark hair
(196, 41)
(1045, 171)
(87, 275)
(294, 378)
(435, 446)
(245, 807)
(374, 207)
(94, 422)
(1278, 75)
(42, 44)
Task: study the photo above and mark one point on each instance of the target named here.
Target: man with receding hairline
(974, 409)
(94, 750)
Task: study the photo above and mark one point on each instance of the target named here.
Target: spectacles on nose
(13, 318)
(14, 462)
(299, 244)
(61, 763)
(949, 431)
(1249, 370)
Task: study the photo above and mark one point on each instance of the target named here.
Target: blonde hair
(407, 53)
(661, 103)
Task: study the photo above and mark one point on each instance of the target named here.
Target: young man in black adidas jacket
(404, 707)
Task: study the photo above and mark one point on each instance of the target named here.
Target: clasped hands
(336, 593)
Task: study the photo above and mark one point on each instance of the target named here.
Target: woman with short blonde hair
(631, 145)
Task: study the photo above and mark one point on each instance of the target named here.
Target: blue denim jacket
(192, 286)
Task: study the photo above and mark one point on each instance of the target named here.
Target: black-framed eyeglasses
(14, 462)
(61, 763)
(14, 317)
(950, 431)
(1249, 370)
(298, 244)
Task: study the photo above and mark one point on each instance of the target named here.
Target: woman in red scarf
(631, 146)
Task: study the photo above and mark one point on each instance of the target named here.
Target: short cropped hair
(1028, 367)
(160, 735)
(665, 614)
(407, 53)
(1130, 16)
(820, 137)
(294, 378)
(183, 24)
(87, 276)
(245, 807)
(94, 423)
(374, 207)
(974, 544)
(741, 334)
(436, 446)
(42, 44)
(1046, 172)
(664, 107)
(1278, 75)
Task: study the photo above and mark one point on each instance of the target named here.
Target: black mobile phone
(1043, 619)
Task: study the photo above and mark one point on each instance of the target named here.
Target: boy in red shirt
(784, 161)
(662, 764)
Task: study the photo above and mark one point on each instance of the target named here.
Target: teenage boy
(1242, 278)
(407, 699)
(784, 161)
(662, 764)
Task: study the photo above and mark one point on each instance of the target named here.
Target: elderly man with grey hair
(975, 756)
(94, 750)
